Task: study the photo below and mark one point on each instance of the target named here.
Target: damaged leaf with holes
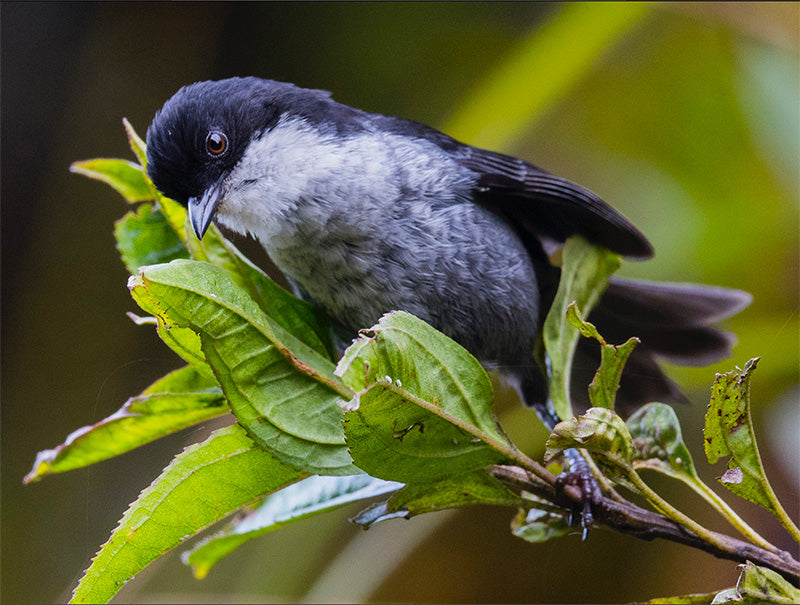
(729, 432)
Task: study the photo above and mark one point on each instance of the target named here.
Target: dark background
(687, 122)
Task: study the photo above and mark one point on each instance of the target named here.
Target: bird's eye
(216, 143)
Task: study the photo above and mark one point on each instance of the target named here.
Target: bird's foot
(581, 476)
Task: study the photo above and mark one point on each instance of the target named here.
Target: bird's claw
(581, 477)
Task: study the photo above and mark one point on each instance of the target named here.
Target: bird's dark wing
(546, 207)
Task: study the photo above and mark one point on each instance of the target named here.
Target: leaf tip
(78, 167)
(41, 466)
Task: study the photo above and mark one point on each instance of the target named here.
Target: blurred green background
(683, 115)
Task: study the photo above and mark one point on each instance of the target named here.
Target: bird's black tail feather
(675, 323)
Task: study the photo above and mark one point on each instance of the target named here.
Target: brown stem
(628, 518)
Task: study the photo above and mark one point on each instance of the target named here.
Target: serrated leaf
(180, 399)
(423, 408)
(537, 525)
(602, 432)
(599, 430)
(127, 178)
(308, 497)
(604, 385)
(202, 485)
(280, 390)
(584, 276)
(298, 317)
(144, 237)
(729, 432)
(425, 363)
(136, 143)
(396, 436)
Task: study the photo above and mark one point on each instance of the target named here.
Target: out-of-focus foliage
(687, 122)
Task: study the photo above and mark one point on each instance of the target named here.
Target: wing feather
(547, 207)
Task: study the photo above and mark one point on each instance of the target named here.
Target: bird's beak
(202, 209)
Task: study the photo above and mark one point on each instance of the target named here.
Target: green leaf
(183, 380)
(308, 497)
(144, 237)
(186, 343)
(604, 385)
(466, 489)
(729, 595)
(538, 525)
(377, 512)
(281, 391)
(298, 317)
(688, 599)
(761, 585)
(729, 432)
(396, 436)
(202, 485)
(658, 446)
(180, 399)
(599, 430)
(755, 585)
(658, 442)
(602, 432)
(136, 143)
(127, 178)
(176, 216)
(584, 276)
(422, 361)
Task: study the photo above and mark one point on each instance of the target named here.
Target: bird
(365, 213)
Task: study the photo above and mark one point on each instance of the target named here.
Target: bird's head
(202, 132)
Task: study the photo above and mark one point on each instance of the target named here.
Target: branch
(629, 518)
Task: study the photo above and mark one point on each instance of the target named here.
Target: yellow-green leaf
(180, 399)
(127, 178)
(205, 483)
(604, 385)
(584, 276)
(729, 432)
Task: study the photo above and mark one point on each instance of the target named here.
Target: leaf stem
(787, 523)
(673, 513)
(726, 511)
(605, 484)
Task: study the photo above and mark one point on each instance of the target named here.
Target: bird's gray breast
(381, 222)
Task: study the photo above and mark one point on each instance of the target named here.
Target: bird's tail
(675, 323)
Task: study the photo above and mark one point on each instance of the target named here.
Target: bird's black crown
(178, 160)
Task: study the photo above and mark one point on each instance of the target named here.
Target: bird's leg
(581, 476)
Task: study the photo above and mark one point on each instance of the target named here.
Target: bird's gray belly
(463, 270)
